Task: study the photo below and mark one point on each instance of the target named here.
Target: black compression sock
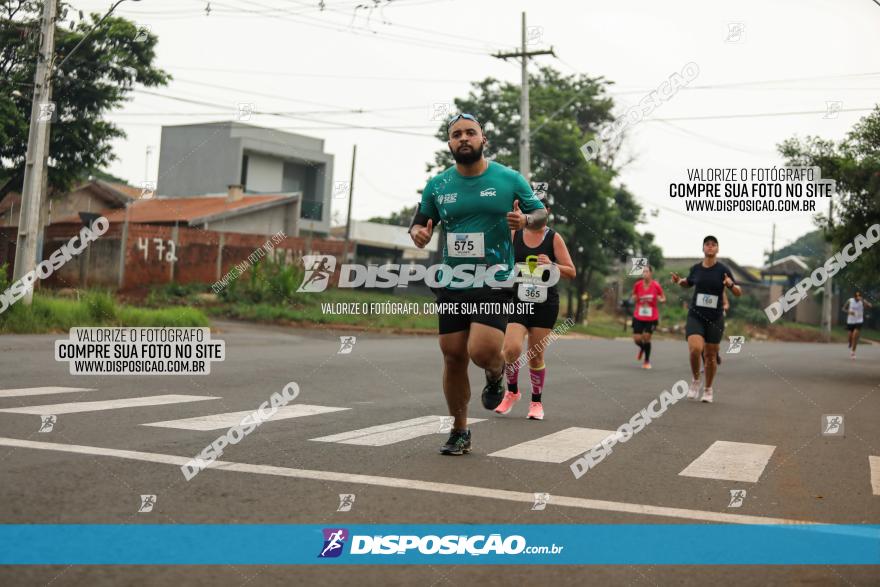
(647, 346)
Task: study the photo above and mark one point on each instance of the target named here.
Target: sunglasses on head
(454, 119)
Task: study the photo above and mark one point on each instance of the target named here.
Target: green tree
(854, 163)
(596, 217)
(96, 79)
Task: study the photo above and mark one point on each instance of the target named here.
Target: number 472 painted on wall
(170, 256)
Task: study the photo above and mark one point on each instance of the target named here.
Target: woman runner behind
(544, 246)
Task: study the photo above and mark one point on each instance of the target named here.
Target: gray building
(207, 158)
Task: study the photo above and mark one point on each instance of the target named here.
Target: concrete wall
(808, 310)
(264, 174)
(268, 222)
(198, 159)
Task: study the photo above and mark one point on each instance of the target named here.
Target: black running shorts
(854, 326)
(644, 326)
(489, 305)
(544, 316)
(712, 332)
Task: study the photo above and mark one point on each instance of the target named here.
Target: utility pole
(773, 245)
(828, 290)
(524, 140)
(354, 153)
(35, 171)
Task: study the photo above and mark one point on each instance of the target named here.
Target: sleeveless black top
(521, 251)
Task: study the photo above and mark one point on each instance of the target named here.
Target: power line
(292, 112)
(293, 128)
(714, 141)
(294, 117)
(413, 41)
(342, 76)
(755, 115)
(423, 30)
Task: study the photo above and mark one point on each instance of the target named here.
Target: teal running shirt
(473, 211)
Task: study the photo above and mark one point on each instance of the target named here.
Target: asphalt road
(770, 394)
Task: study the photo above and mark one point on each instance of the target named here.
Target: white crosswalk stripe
(394, 432)
(229, 419)
(723, 460)
(731, 461)
(28, 391)
(113, 404)
(557, 447)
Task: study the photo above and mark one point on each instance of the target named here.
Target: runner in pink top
(646, 294)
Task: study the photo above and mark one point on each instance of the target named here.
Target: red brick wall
(148, 254)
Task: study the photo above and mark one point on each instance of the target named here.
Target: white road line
(229, 419)
(386, 434)
(412, 484)
(731, 461)
(557, 447)
(874, 463)
(26, 391)
(113, 404)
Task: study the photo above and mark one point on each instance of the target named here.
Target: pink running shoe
(536, 411)
(507, 403)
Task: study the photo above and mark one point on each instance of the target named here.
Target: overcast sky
(775, 58)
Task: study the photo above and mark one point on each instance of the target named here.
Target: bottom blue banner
(624, 544)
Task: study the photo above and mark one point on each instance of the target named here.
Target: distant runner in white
(855, 317)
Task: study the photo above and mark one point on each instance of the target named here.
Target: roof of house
(790, 265)
(192, 210)
(740, 273)
(130, 191)
(115, 194)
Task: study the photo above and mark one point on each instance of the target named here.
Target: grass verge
(50, 313)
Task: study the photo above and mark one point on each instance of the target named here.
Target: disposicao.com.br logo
(431, 544)
(319, 270)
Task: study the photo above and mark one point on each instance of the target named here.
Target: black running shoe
(459, 443)
(493, 393)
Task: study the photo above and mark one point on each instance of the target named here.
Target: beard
(467, 157)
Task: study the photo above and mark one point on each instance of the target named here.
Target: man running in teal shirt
(478, 203)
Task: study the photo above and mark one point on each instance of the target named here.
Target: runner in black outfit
(531, 247)
(705, 321)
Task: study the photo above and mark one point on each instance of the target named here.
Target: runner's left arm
(730, 284)
(563, 258)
